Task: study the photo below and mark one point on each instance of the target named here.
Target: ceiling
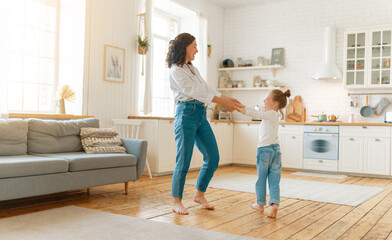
(236, 3)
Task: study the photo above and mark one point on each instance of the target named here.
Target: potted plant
(142, 45)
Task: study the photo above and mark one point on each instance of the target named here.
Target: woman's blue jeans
(269, 165)
(191, 127)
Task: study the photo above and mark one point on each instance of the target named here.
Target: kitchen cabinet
(224, 137)
(245, 143)
(365, 149)
(291, 145)
(367, 59)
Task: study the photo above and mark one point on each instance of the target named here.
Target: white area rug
(346, 194)
(71, 223)
(321, 175)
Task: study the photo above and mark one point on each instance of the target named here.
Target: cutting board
(295, 110)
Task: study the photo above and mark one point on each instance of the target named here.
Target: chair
(129, 128)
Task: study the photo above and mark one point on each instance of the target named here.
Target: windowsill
(47, 116)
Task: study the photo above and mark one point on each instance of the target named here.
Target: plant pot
(142, 50)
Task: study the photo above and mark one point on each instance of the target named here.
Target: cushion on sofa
(80, 161)
(101, 140)
(28, 165)
(52, 136)
(13, 137)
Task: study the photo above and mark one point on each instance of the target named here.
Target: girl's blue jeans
(191, 127)
(269, 165)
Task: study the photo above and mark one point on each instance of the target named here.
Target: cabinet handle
(364, 126)
(171, 121)
(283, 125)
(293, 137)
(377, 139)
(321, 161)
(248, 124)
(351, 139)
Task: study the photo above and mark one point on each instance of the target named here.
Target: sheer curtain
(146, 80)
(201, 60)
(4, 30)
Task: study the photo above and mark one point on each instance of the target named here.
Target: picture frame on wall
(114, 64)
(277, 56)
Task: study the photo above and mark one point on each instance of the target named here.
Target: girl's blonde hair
(281, 98)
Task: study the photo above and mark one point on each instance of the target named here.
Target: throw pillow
(101, 140)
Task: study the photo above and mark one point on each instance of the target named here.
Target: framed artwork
(114, 64)
(277, 56)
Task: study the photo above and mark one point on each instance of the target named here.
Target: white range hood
(328, 69)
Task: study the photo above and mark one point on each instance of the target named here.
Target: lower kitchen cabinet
(291, 145)
(224, 137)
(245, 143)
(365, 149)
(161, 152)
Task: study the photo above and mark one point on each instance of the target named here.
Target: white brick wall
(298, 27)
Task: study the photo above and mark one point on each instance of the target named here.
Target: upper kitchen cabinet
(367, 59)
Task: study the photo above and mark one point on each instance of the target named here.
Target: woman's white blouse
(187, 87)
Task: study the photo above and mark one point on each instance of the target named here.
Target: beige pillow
(101, 140)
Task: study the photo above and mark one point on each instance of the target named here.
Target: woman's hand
(231, 104)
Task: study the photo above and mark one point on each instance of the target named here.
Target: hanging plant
(142, 45)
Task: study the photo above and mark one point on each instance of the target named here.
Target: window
(164, 30)
(32, 55)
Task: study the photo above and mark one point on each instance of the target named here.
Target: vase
(61, 106)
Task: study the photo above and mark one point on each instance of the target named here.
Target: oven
(321, 142)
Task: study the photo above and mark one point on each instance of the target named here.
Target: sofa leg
(126, 188)
(88, 191)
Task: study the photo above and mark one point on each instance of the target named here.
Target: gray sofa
(40, 157)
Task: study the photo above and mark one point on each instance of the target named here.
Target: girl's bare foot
(274, 211)
(200, 198)
(257, 207)
(178, 207)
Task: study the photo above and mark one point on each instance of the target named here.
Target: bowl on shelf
(271, 83)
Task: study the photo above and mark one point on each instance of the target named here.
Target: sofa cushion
(27, 165)
(80, 161)
(13, 137)
(52, 136)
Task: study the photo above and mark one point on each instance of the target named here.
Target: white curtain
(146, 80)
(4, 36)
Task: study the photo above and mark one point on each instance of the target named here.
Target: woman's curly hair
(177, 49)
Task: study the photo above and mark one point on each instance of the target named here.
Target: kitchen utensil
(366, 111)
(321, 117)
(332, 118)
(289, 110)
(381, 105)
(388, 117)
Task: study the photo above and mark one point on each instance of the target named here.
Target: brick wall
(298, 27)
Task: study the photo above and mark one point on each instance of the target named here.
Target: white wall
(113, 23)
(298, 27)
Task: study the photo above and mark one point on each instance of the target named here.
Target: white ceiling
(236, 3)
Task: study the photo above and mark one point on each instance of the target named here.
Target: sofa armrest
(139, 149)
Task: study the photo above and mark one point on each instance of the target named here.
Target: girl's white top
(187, 87)
(268, 128)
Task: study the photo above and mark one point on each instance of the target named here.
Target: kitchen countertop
(284, 123)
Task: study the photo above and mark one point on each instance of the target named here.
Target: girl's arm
(258, 114)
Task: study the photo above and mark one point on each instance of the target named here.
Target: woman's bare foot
(178, 207)
(274, 211)
(200, 198)
(257, 207)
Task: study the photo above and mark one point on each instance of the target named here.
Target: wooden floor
(297, 219)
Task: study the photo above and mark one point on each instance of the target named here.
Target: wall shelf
(272, 68)
(248, 89)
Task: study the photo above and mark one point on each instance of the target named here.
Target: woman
(191, 93)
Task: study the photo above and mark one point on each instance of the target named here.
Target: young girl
(269, 163)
